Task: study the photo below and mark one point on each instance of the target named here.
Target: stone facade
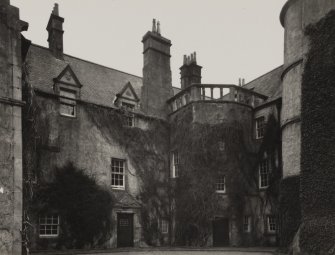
(11, 129)
(90, 115)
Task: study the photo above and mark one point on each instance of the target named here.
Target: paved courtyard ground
(174, 251)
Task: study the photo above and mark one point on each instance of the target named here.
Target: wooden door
(125, 230)
(220, 232)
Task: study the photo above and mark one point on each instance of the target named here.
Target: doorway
(125, 230)
(220, 232)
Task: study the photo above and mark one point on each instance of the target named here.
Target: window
(67, 103)
(220, 185)
(129, 117)
(129, 120)
(247, 224)
(164, 226)
(260, 127)
(264, 173)
(118, 173)
(49, 225)
(272, 224)
(175, 164)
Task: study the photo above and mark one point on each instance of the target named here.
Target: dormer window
(67, 86)
(67, 102)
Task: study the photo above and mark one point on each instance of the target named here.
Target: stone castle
(204, 164)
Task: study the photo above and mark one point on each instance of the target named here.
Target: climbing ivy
(318, 138)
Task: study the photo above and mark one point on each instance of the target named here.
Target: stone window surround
(259, 127)
(68, 101)
(246, 223)
(221, 184)
(271, 224)
(264, 170)
(49, 222)
(175, 164)
(120, 166)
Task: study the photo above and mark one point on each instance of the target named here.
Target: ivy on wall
(289, 209)
(83, 206)
(148, 150)
(207, 151)
(318, 139)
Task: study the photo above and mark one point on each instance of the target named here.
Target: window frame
(175, 170)
(68, 101)
(164, 226)
(46, 217)
(247, 223)
(260, 129)
(273, 223)
(118, 187)
(261, 174)
(219, 184)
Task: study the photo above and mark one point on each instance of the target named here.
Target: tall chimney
(55, 30)
(190, 72)
(157, 81)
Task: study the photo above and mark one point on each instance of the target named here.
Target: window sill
(118, 188)
(220, 192)
(68, 116)
(48, 236)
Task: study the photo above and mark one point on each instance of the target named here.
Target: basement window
(221, 185)
(67, 102)
(260, 127)
(49, 226)
(272, 224)
(118, 173)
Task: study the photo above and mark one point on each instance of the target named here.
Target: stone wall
(224, 132)
(90, 141)
(10, 130)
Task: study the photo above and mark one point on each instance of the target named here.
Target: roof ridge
(90, 62)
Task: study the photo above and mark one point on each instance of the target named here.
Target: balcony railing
(215, 93)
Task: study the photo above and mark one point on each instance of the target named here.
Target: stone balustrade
(215, 93)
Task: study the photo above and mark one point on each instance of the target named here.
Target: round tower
(303, 164)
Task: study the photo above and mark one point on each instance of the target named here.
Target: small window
(260, 127)
(67, 103)
(272, 224)
(175, 164)
(164, 226)
(221, 185)
(264, 173)
(118, 173)
(246, 224)
(129, 120)
(49, 225)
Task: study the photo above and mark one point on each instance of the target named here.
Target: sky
(233, 38)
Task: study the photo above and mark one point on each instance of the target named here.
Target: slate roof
(100, 83)
(268, 84)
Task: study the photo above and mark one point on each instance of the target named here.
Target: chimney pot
(158, 28)
(154, 29)
(56, 10)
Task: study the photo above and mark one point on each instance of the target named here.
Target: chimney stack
(157, 81)
(55, 31)
(190, 72)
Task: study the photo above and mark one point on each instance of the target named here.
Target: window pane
(117, 173)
